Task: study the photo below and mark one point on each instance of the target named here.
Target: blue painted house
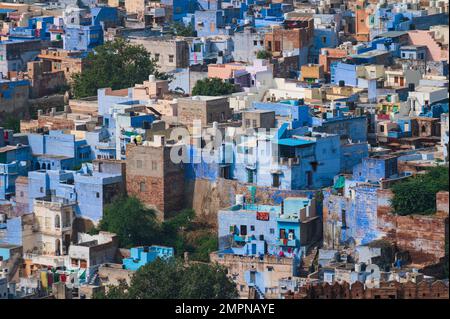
(58, 150)
(141, 256)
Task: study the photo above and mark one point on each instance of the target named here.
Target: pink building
(436, 51)
(224, 71)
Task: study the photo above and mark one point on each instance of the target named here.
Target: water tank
(151, 78)
(240, 199)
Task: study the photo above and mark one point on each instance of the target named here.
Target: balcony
(47, 260)
(288, 243)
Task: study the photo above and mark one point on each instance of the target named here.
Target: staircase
(259, 293)
(93, 280)
(308, 261)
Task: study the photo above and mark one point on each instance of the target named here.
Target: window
(276, 180)
(243, 230)
(255, 42)
(156, 57)
(252, 227)
(247, 123)
(154, 165)
(41, 189)
(142, 187)
(343, 219)
(250, 176)
(97, 195)
(277, 46)
(324, 40)
(138, 164)
(254, 122)
(381, 128)
(171, 58)
(21, 194)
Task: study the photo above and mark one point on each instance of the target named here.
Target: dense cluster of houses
(335, 101)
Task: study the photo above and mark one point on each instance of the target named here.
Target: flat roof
(412, 47)
(391, 34)
(294, 142)
(368, 54)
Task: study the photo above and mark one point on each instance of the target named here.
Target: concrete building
(15, 54)
(88, 252)
(170, 54)
(247, 44)
(258, 119)
(13, 97)
(140, 256)
(207, 109)
(58, 150)
(154, 178)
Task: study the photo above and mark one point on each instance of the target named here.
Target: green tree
(116, 64)
(12, 123)
(171, 279)
(183, 30)
(417, 195)
(263, 54)
(212, 87)
(134, 224)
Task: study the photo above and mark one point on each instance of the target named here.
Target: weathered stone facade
(387, 290)
(207, 197)
(154, 178)
(422, 235)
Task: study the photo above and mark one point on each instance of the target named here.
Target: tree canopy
(137, 225)
(134, 224)
(171, 279)
(116, 64)
(183, 30)
(263, 54)
(212, 87)
(417, 195)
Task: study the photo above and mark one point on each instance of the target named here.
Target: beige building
(169, 53)
(239, 267)
(151, 89)
(52, 227)
(258, 119)
(311, 72)
(207, 109)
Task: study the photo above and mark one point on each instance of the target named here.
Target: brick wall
(387, 290)
(154, 179)
(422, 235)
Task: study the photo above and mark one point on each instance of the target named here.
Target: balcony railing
(287, 243)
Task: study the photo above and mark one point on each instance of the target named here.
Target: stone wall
(207, 197)
(387, 290)
(422, 235)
